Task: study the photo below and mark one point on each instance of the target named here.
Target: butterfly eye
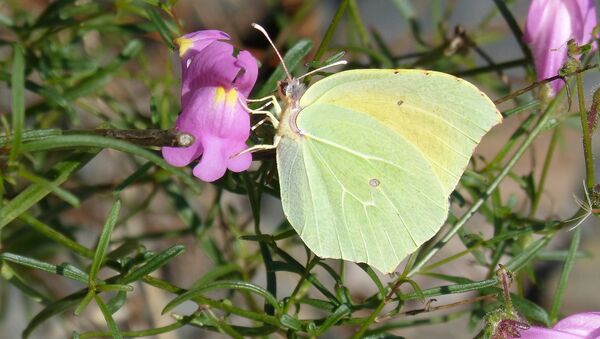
(282, 88)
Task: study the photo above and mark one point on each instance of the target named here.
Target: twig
(429, 308)
(143, 137)
(541, 82)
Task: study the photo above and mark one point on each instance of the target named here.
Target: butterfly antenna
(264, 32)
(337, 63)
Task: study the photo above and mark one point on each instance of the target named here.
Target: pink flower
(550, 24)
(216, 81)
(577, 326)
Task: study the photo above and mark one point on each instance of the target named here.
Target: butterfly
(368, 158)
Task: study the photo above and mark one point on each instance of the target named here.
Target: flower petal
(536, 332)
(217, 112)
(192, 43)
(213, 163)
(535, 19)
(216, 66)
(581, 324)
(550, 24)
(246, 79)
(182, 156)
(548, 28)
(186, 122)
(240, 162)
(584, 19)
(219, 122)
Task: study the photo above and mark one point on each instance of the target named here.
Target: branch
(541, 82)
(143, 137)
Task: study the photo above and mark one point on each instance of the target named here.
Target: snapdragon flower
(216, 81)
(550, 24)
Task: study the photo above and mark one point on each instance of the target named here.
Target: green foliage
(65, 67)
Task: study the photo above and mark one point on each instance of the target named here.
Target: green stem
(541, 126)
(18, 102)
(134, 334)
(505, 150)
(359, 24)
(365, 325)
(564, 276)
(56, 236)
(401, 279)
(587, 138)
(222, 305)
(540, 188)
(330, 30)
(514, 27)
(490, 68)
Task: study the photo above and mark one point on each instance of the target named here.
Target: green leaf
(449, 289)
(84, 302)
(373, 277)
(564, 276)
(561, 255)
(18, 101)
(78, 10)
(65, 195)
(528, 254)
(290, 322)
(31, 134)
(56, 236)
(318, 303)
(224, 284)
(530, 310)
(12, 277)
(85, 141)
(53, 309)
(154, 263)
(216, 273)
(65, 270)
(114, 287)
(100, 77)
(141, 171)
(115, 303)
(112, 326)
(34, 193)
(161, 27)
(104, 241)
(341, 312)
(140, 333)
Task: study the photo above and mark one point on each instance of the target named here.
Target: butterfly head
(291, 89)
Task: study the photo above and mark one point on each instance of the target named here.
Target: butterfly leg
(271, 100)
(263, 147)
(262, 121)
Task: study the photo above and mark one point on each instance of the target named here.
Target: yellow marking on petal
(231, 98)
(184, 45)
(220, 95)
